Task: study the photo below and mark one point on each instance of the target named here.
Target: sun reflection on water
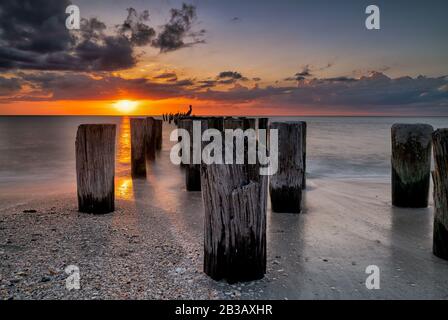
(124, 142)
(124, 185)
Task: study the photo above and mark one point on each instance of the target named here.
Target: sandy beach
(143, 251)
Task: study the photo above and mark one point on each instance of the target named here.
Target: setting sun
(126, 106)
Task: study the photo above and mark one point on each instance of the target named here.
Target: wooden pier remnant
(234, 198)
(150, 138)
(216, 123)
(304, 125)
(138, 149)
(193, 170)
(95, 168)
(158, 137)
(233, 123)
(411, 164)
(263, 123)
(286, 184)
(440, 178)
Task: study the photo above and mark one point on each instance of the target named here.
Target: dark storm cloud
(33, 35)
(36, 26)
(178, 29)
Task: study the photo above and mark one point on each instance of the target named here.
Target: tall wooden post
(193, 170)
(263, 123)
(233, 123)
(304, 125)
(286, 184)
(150, 138)
(440, 178)
(216, 123)
(95, 168)
(138, 141)
(159, 130)
(411, 164)
(235, 221)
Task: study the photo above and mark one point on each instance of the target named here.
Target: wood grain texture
(95, 168)
(440, 178)
(159, 136)
(193, 171)
(285, 185)
(138, 148)
(235, 221)
(411, 164)
(304, 129)
(150, 138)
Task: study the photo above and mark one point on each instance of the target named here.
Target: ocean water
(37, 154)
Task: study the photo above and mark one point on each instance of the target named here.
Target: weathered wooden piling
(285, 185)
(411, 164)
(150, 138)
(233, 123)
(95, 168)
(249, 123)
(235, 221)
(304, 153)
(193, 170)
(216, 123)
(138, 141)
(159, 130)
(263, 123)
(440, 178)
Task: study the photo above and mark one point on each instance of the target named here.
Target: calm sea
(37, 153)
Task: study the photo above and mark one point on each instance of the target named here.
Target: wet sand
(151, 247)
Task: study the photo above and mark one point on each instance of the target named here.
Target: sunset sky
(233, 57)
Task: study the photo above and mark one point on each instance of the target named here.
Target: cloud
(170, 76)
(9, 86)
(307, 72)
(135, 29)
(33, 36)
(230, 77)
(50, 86)
(375, 92)
(178, 29)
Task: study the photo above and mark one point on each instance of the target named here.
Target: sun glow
(125, 106)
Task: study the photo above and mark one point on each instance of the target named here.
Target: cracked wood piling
(95, 168)
(235, 220)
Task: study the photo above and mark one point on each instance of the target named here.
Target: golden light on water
(126, 106)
